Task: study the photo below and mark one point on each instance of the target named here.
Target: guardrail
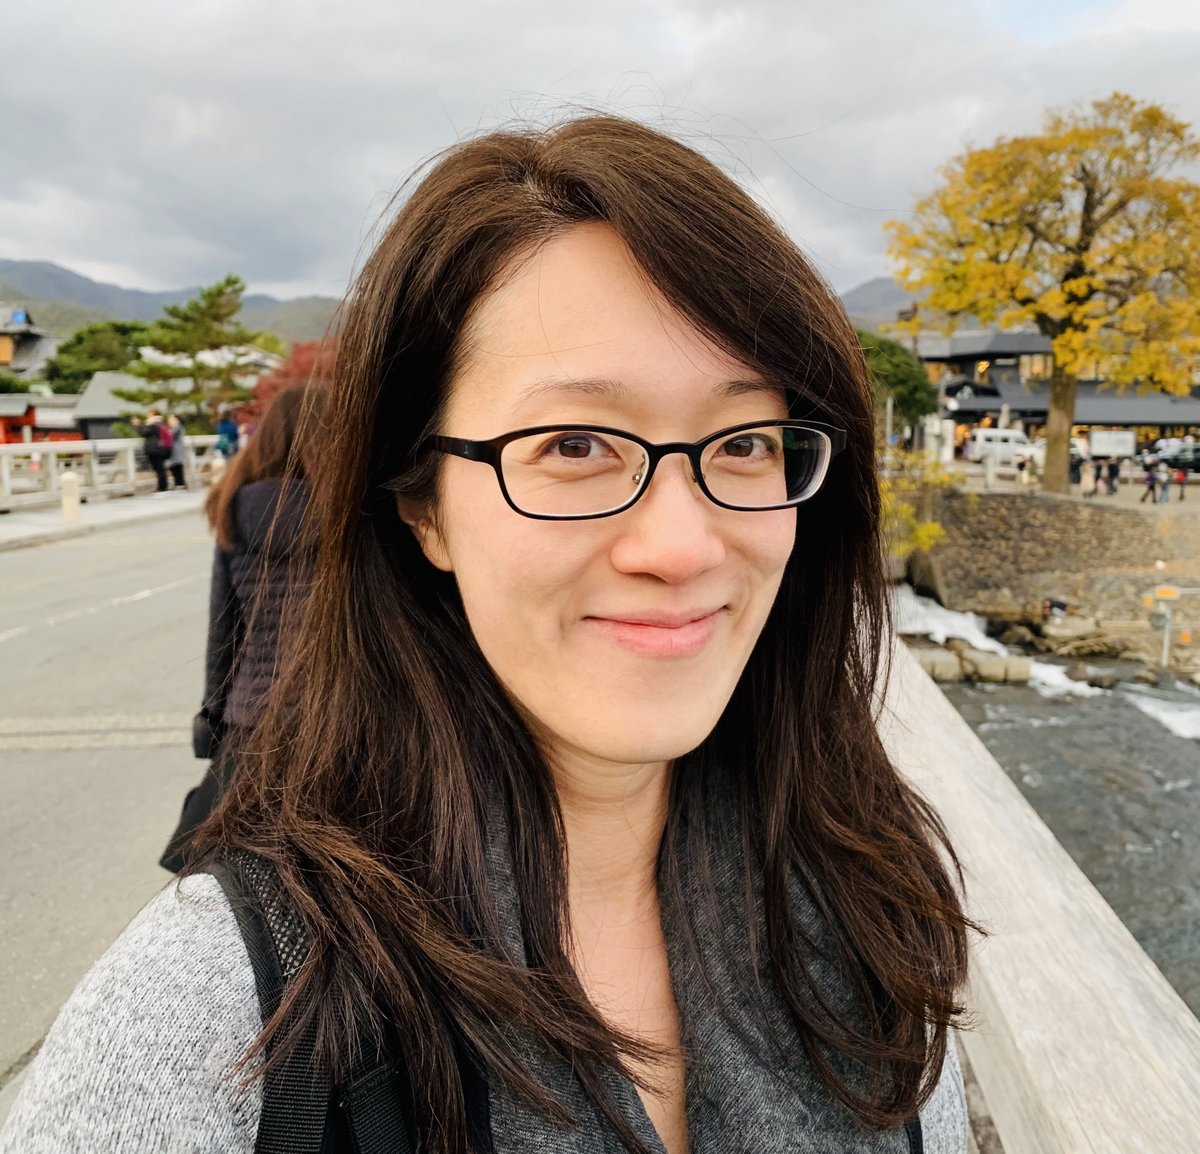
(31, 473)
(1081, 1044)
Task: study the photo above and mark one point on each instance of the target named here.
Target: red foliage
(309, 362)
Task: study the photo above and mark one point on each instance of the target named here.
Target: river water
(1115, 774)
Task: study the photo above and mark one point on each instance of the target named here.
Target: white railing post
(49, 458)
(69, 485)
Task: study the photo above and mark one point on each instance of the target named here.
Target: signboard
(1167, 592)
(1112, 442)
(1158, 620)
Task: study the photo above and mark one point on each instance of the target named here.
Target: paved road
(101, 668)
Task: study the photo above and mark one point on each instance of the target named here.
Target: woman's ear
(419, 519)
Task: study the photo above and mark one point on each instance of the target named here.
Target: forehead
(578, 324)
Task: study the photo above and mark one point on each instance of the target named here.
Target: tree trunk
(1059, 419)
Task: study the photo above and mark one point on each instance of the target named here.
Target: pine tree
(107, 346)
(201, 335)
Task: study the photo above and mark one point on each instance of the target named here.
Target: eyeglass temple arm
(470, 450)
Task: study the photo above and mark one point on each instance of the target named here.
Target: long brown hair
(389, 735)
(275, 449)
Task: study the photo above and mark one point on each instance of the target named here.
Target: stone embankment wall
(1004, 553)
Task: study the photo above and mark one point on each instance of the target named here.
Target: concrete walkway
(39, 526)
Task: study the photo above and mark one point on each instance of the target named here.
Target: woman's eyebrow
(741, 387)
(588, 386)
(608, 388)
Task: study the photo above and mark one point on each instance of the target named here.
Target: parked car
(1004, 446)
(1079, 450)
(1186, 457)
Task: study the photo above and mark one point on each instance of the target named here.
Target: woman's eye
(575, 446)
(749, 446)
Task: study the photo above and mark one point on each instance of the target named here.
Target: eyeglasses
(578, 472)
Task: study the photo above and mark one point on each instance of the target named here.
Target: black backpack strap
(302, 1112)
(375, 1111)
(296, 1094)
(916, 1139)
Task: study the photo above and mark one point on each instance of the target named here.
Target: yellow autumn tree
(1089, 231)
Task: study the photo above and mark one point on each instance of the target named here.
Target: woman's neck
(613, 820)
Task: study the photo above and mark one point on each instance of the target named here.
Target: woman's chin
(644, 737)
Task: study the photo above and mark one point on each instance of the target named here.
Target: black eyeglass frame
(489, 453)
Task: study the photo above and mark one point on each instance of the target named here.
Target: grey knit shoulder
(141, 1056)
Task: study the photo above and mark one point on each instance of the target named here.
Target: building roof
(30, 355)
(15, 404)
(979, 343)
(97, 402)
(1095, 404)
(14, 317)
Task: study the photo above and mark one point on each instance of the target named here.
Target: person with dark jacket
(156, 445)
(257, 512)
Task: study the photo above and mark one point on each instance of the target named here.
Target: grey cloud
(179, 142)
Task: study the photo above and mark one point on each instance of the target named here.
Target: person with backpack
(567, 825)
(156, 443)
(227, 436)
(257, 513)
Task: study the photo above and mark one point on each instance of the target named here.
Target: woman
(256, 515)
(573, 773)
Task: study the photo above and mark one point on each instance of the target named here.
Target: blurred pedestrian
(1151, 482)
(156, 443)
(1114, 476)
(227, 436)
(1162, 474)
(1181, 481)
(178, 458)
(1087, 478)
(257, 512)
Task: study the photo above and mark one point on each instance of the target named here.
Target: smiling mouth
(660, 635)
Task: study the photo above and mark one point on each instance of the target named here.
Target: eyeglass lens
(576, 472)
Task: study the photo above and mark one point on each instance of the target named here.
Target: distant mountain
(62, 301)
(300, 319)
(876, 303)
(61, 317)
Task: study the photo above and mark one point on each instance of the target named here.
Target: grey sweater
(141, 1056)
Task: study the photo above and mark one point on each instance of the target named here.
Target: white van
(1003, 445)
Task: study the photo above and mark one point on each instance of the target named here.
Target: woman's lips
(663, 637)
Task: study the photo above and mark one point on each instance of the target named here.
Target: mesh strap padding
(296, 1093)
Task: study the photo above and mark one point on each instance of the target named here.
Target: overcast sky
(158, 145)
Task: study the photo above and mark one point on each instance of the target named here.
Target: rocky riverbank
(953, 647)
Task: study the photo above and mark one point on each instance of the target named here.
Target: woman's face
(621, 638)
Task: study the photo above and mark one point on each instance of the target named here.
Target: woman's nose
(671, 533)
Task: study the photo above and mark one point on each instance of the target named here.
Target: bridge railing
(1081, 1045)
(30, 473)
